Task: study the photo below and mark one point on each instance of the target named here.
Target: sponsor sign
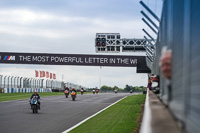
(70, 59)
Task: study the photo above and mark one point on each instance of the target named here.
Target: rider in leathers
(73, 89)
(37, 96)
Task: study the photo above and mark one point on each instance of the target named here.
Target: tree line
(127, 88)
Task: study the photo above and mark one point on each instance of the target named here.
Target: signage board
(73, 59)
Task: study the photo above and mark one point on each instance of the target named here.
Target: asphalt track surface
(57, 113)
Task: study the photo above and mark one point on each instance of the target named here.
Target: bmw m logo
(9, 58)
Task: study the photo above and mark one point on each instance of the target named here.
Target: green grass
(122, 117)
(17, 96)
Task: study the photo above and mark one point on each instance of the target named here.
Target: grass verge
(122, 117)
(17, 96)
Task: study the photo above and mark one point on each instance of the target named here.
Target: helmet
(73, 88)
(35, 92)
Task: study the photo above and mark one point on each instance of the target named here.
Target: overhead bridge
(113, 43)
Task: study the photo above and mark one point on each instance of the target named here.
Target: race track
(57, 113)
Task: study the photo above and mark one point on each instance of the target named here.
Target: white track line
(66, 131)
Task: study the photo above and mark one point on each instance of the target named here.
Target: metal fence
(22, 82)
(179, 30)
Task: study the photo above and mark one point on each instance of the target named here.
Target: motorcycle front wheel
(33, 109)
(73, 98)
(36, 110)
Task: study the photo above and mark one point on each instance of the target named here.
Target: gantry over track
(112, 43)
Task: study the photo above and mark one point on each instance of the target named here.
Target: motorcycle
(115, 91)
(93, 91)
(66, 93)
(81, 92)
(34, 105)
(155, 85)
(73, 95)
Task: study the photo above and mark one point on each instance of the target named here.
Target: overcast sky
(69, 27)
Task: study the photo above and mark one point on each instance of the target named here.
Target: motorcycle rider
(66, 88)
(82, 90)
(66, 92)
(93, 91)
(73, 89)
(35, 95)
(97, 90)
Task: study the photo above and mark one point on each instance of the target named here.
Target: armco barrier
(26, 90)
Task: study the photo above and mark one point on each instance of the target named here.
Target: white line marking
(146, 121)
(66, 131)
